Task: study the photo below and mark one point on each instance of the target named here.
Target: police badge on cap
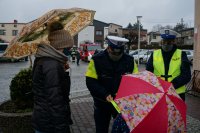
(168, 34)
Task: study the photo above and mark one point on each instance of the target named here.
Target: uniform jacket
(108, 74)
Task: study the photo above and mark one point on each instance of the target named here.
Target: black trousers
(103, 111)
(77, 61)
(182, 95)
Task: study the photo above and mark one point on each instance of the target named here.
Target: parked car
(143, 56)
(147, 55)
(135, 52)
(189, 54)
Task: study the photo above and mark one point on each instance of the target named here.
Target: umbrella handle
(115, 106)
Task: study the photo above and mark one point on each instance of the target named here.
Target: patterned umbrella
(150, 105)
(74, 20)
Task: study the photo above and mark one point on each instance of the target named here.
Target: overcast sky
(153, 12)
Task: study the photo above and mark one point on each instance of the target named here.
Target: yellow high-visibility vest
(174, 67)
(91, 71)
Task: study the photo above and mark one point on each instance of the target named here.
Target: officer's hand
(109, 98)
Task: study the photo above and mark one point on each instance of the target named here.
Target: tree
(157, 28)
(179, 27)
(135, 26)
(132, 37)
(168, 27)
(130, 26)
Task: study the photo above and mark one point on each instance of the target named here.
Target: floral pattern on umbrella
(136, 107)
(35, 32)
(150, 104)
(175, 121)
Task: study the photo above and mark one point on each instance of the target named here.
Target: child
(119, 125)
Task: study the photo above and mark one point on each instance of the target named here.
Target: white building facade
(9, 30)
(87, 34)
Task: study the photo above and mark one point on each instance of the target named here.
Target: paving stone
(82, 102)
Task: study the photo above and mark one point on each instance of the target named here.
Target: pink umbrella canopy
(149, 104)
(35, 32)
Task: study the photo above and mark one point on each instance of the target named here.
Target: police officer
(103, 78)
(170, 63)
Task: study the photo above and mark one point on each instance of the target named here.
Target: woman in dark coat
(51, 113)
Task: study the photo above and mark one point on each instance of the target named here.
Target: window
(99, 41)
(3, 47)
(99, 33)
(115, 30)
(2, 25)
(14, 32)
(2, 32)
(154, 36)
(15, 25)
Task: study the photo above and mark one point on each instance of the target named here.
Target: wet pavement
(82, 102)
(9, 70)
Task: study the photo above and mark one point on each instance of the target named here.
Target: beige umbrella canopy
(35, 32)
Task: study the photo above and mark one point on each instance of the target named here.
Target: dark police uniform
(103, 77)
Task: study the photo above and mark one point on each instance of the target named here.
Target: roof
(12, 23)
(154, 33)
(115, 24)
(188, 29)
(100, 22)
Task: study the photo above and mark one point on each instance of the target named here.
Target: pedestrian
(96, 51)
(51, 112)
(67, 53)
(103, 77)
(73, 54)
(78, 56)
(170, 63)
(119, 125)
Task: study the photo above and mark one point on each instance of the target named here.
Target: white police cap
(116, 41)
(168, 34)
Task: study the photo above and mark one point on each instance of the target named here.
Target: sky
(121, 12)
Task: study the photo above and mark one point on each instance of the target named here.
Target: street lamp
(138, 21)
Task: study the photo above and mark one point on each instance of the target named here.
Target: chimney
(15, 21)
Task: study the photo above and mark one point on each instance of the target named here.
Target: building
(115, 29)
(9, 30)
(85, 36)
(132, 35)
(153, 38)
(94, 33)
(187, 36)
(99, 28)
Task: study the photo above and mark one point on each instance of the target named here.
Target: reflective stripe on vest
(91, 71)
(174, 67)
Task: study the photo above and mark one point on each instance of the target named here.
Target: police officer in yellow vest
(103, 77)
(170, 63)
